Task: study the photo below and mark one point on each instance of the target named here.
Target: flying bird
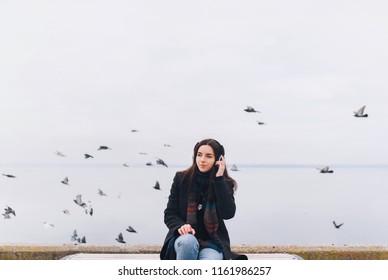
(83, 240)
(325, 170)
(120, 238)
(103, 148)
(161, 162)
(234, 168)
(9, 210)
(167, 145)
(58, 153)
(9, 175)
(48, 225)
(89, 209)
(134, 130)
(131, 229)
(337, 226)
(149, 163)
(157, 186)
(74, 236)
(260, 123)
(250, 109)
(360, 113)
(88, 156)
(100, 192)
(78, 201)
(65, 181)
(67, 212)
(126, 164)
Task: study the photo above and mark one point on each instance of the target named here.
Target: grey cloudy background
(78, 74)
(75, 75)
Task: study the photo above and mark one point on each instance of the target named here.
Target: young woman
(201, 198)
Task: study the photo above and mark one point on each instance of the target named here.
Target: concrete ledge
(154, 257)
(56, 252)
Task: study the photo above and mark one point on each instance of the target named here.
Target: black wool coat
(176, 213)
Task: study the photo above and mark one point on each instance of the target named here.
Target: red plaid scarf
(210, 216)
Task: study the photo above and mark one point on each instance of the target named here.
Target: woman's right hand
(186, 228)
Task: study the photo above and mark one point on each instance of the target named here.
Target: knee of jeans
(187, 241)
(210, 254)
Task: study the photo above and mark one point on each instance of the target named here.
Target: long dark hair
(191, 172)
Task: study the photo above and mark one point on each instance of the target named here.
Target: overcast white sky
(75, 75)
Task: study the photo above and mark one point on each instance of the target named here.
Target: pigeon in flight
(89, 209)
(161, 162)
(260, 123)
(67, 212)
(325, 170)
(337, 226)
(58, 153)
(100, 192)
(234, 168)
(360, 113)
(134, 130)
(157, 186)
(88, 156)
(48, 225)
(78, 201)
(65, 181)
(9, 210)
(83, 240)
(120, 238)
(104, 148)
(131, 229)
(74, 236)
(167, 145)
(250, 109)
(149, 163)
(126, 164)
(9, 175)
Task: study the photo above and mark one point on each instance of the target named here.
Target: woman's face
(205, 158)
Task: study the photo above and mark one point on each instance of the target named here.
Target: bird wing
(131, 229)
(360, 112)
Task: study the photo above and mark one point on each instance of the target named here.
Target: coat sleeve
(226, 207)
(172, 219)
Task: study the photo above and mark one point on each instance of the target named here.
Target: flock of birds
(358, 114)
(87, 206)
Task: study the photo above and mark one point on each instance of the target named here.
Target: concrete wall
(56, 252)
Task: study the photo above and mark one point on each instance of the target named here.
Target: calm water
(274, 205)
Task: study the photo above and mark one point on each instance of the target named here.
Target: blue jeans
(187, 248)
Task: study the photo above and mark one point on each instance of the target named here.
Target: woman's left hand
(221, 166)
